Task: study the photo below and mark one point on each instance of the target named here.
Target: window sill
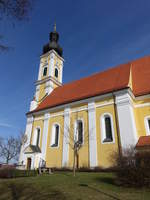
(54, 146)
(108, 141)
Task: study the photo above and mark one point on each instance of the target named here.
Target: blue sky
(95, 35)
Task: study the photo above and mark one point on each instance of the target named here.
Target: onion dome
(53, 43)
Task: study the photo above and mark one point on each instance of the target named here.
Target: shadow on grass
(107, 180)
(19, 191)
(99, 191)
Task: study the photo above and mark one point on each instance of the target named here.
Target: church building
(106, 112)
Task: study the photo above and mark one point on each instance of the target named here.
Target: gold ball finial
(55, 26)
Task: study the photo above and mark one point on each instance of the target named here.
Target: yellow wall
(83, 152)
(42, 91)
(105, 150)
(45, 62)
(54, 154)
(37, 124)
(140, 114)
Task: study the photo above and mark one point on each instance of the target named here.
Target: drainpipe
(117, 126)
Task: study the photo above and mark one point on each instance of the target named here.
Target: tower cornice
(50, 52)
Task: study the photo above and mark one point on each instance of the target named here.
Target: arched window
(107, 128)
(55, 135)
(147, 125)
(45, 71)
(56, 72)
(79, 131)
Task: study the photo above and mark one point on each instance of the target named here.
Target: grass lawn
(63, 186)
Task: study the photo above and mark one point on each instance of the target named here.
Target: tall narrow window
(55, 136)
(45, 71)
(108, 129)
(56, 72)
(80, 132)
(38, 137)
(147, 125)
(107, 132)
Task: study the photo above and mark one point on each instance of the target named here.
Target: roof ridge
(94, 74)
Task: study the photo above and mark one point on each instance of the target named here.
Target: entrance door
(28, 163)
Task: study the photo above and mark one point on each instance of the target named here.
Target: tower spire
(53, 43)
(55, 27)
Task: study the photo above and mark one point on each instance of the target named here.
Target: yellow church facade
(106, 112)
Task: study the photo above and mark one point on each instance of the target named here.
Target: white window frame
(103, 129)
(75, 130)
(58, 72)
(146, 125)
(35, 136)
(53, 136)
(45, 66)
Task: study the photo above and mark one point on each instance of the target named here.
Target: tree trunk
(74, 162)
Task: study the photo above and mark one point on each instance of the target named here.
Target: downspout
(117, 126)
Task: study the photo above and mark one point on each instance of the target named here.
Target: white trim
(33, 105)
(126, 119)
(45, 66)
(103, 130)
(92, 134)
(45, 135)
(44, 80)
(39, 118)
(28, 132)
(34, 141)
(147, 128)
(142, 97)
(56, 67)
(49, 87)
(75, 130)
(104, 104)
(52, 135)
(87, 100)
(142, 105)
(52, 51)
(51, 64)
(37, 92)
(74, 110)
(40, 70)
(61, 71)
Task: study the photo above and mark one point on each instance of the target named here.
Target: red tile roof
(143, 141)
(113, 79)
(141, 76)
(100, 83)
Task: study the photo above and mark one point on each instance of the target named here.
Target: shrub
(15, 173)
(133, 168)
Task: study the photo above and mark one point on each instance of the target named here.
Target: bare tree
(76, 138)
(9, 148)
(14, 10)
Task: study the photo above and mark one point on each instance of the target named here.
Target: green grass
(63, 186)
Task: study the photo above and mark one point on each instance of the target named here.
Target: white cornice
(49, 78)
(84, 101)
(52, 51)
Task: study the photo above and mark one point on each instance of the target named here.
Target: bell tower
(50, 69)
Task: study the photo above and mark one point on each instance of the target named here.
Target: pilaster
(92, 134)
(128, 133)
(45, 135)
